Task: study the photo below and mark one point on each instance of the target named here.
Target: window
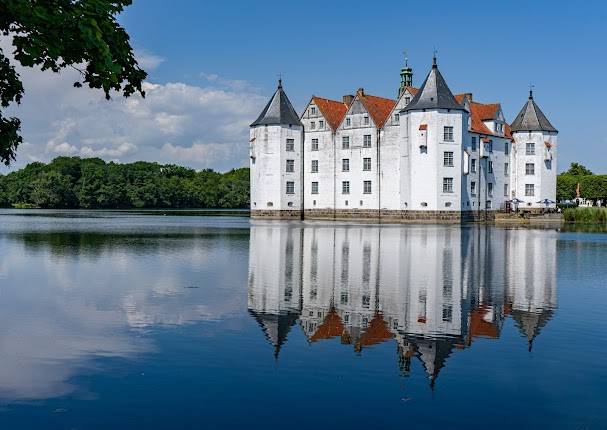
(447, 185)
(473, 188)
(396, 118)
(530, 148)
(529, 190)
(367, 141)
(290, 166)
(343, 299)
(473, 143)
(348, 122)
(290, 145)
(345, 142)
(490, 146)
(529, 169)
(490, 189)
(506, 169)
(314, 144)
(488, 204)
(506, 148)
(345, 165)
(447, 313)
(448, 159)
(366, 187)
(505, 190)
(321, 124)
(314, 187)
(366, 164)
(407, 100)
(314, 166)
(448, 134)
(313, 125)
(366, 120)
(490, 167)
(290, 187)
(345, 187)
(473, 165)
(312, 110)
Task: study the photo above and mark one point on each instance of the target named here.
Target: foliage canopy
(91, 183)
(55, 34)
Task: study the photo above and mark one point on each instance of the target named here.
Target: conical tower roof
(433, 94)
(531, 323)
(278, 111)
(531, 118)
(276, 327)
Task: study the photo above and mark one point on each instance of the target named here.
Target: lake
(129, 320)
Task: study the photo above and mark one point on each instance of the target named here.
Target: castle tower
(534, 158)
(406, 78)
(434, 126)
(276, 153)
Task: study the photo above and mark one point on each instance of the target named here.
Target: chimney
(468, 96)
(348, 99)
(361, 91)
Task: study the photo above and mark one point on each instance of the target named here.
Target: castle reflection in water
(430, 289)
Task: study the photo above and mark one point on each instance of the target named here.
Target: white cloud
(148, 60)
(202, 126)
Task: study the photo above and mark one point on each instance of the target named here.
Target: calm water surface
(111, 320)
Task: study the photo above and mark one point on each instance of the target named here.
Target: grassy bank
(586, 215)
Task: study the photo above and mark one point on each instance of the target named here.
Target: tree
(578, 170)
(56, 34)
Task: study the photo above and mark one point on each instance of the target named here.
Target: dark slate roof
(433, 94)
(531, 118)
(278, 111)
(276, 327)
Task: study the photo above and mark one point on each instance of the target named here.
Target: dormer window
(366, 120)
(407, 100)
(312, 110)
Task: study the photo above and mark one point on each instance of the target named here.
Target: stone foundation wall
(277, 214)
(399, 216)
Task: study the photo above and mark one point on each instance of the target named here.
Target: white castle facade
(429, 155)
(433, 291)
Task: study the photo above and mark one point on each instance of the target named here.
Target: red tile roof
(378, 107)
(479, 327)
(412, 90)
(331, 327)
(377, 332)
(480, 112)
(332, 110)
(487, 112)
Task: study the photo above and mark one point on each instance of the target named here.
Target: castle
(431, 292)
(429, 155)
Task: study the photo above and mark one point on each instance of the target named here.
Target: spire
(276, 327)
(531, 118)
(278, 111)
(434, 93)
(406, 76)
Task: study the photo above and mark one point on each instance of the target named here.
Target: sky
(214, 64)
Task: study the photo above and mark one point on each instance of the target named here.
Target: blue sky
(234, 50)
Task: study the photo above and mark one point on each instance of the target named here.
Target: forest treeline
(91, 183)
(591, 186)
